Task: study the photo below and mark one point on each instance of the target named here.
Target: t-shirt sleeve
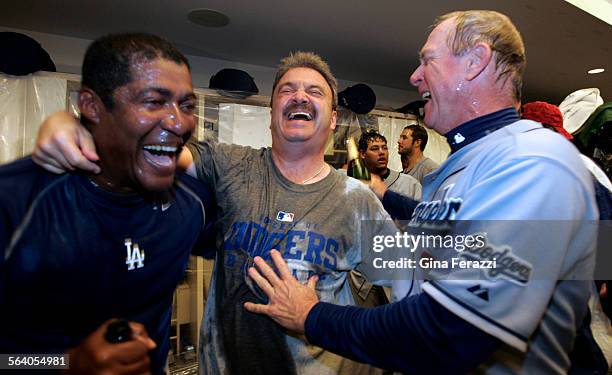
(541, 240)
(213, 160)
(408, 186)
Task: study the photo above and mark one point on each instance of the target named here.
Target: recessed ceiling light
(208, 17)
(595, 71)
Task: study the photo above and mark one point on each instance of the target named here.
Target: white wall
(67, 54)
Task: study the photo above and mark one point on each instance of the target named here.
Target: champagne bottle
(356, 165)
(118, 331)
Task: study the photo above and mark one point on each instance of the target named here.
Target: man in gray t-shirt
(411, 145)
(287, 198)
(317, 229)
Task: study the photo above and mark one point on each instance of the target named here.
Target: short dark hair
(418, 132)
(108, 59)
(367, 137)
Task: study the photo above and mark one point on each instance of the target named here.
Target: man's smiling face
(302, 107)
(140, 137)
(439, 80)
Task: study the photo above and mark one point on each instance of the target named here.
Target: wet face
(405, 143)
(376, 156)
(440, 80)
(140, 138)
(302, 108)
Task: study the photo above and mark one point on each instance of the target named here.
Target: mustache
(292, 107)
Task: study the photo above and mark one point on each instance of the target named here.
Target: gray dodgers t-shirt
(316, 227)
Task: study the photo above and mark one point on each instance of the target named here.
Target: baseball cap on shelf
(413, 108)
(547, 114)
(233, 83)
(359, 98)
(22, 55)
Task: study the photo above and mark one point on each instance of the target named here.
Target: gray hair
(498, 31)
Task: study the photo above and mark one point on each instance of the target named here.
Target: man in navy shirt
(79, 250)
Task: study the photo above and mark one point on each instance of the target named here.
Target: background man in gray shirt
(411, 145)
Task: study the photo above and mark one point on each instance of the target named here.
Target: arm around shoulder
(63, 144)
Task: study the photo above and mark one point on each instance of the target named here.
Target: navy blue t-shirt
(75, 255)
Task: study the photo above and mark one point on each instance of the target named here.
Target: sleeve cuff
(313, 320)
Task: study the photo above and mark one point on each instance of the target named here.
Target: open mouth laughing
(161, 155)
(299, 113)
(305, 116)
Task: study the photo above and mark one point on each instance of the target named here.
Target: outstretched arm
(414, 335)
(63, 144)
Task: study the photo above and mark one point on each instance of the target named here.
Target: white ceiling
(363, 40)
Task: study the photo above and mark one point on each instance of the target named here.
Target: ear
(478, 58)
(361, 154)
(417, 143)
(334, 117)
(90, 105)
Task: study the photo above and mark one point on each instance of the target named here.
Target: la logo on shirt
(135, 256)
